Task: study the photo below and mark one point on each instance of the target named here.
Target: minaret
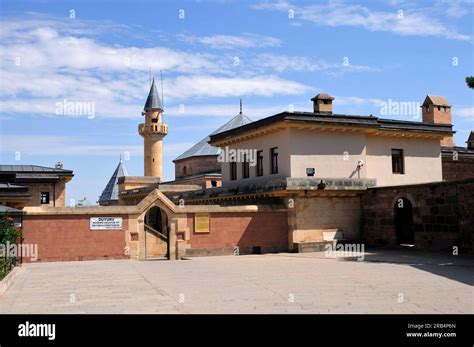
(153, 131)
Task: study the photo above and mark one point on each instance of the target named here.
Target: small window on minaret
(184, 170)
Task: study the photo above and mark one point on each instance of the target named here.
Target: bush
(8, 235)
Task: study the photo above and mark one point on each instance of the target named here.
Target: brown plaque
(202, 223)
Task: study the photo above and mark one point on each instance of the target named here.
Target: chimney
(322, 103)
(437, 110)
(58, 165)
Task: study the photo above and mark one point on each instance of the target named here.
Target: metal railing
(6, 265)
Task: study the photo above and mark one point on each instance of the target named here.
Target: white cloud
(47, 62)
(282, 63)
(38, 145)
(358, 101)
(415, 22)
(465, 112)
(45, 145)
(204, 86)
(45, 47)
(220, 110)
(245, 40)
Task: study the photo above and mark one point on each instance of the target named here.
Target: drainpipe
(54, 194)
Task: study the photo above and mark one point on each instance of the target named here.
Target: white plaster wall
(422, 160)
(325, 152)
(279, 139)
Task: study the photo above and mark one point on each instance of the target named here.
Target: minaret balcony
(153, 129)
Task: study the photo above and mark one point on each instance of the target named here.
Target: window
(245, 167)
(274, 160)
(185, 171)
(233, 171)
(397, 161)
(259, 168)
(44, 197)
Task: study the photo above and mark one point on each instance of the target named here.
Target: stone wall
(443, 215)
(156, 246)
(260, 232)
(57, 193)
(460, 169)
(68, 237)
(196, 165)
(316, 214)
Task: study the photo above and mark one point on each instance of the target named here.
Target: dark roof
(323, 96)
(110, 192)
(10, 210)
(33, 169)
(336, 119)
(471, 137)
(462, 151)
(153, 101)
(9, 186)
(203, 148)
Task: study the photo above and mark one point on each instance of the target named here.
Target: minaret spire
(240, 106)
(153, 130)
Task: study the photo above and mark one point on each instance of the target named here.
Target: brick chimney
(322, 103)
(437, 110)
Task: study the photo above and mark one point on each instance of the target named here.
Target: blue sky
(273, 55)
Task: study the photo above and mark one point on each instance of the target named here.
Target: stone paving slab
(385, 282)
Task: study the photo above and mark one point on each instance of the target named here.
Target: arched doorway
(156, 234)
(404, 227)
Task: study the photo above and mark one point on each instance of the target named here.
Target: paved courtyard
(385, 282)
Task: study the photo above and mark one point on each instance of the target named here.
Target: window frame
(401, 161)
(245, 167)
(259, 166)
(47, 198)
(233, 171)
(274, 161)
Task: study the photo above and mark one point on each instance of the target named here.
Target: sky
(74, 75)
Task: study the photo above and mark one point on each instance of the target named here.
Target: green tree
(7, 232)
(8, 235)
(470, 81)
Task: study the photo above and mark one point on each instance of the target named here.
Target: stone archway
(156, 234)
(403, 221)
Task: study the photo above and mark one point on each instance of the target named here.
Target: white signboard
(105, 223)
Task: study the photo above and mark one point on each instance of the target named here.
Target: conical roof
(153, 101)
(204, 148)
(110, 192)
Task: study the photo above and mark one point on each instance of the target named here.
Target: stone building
(199, 164)
(33, 185)
(109, 195)
(458, 161)
(294, 181)
(321, 144)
